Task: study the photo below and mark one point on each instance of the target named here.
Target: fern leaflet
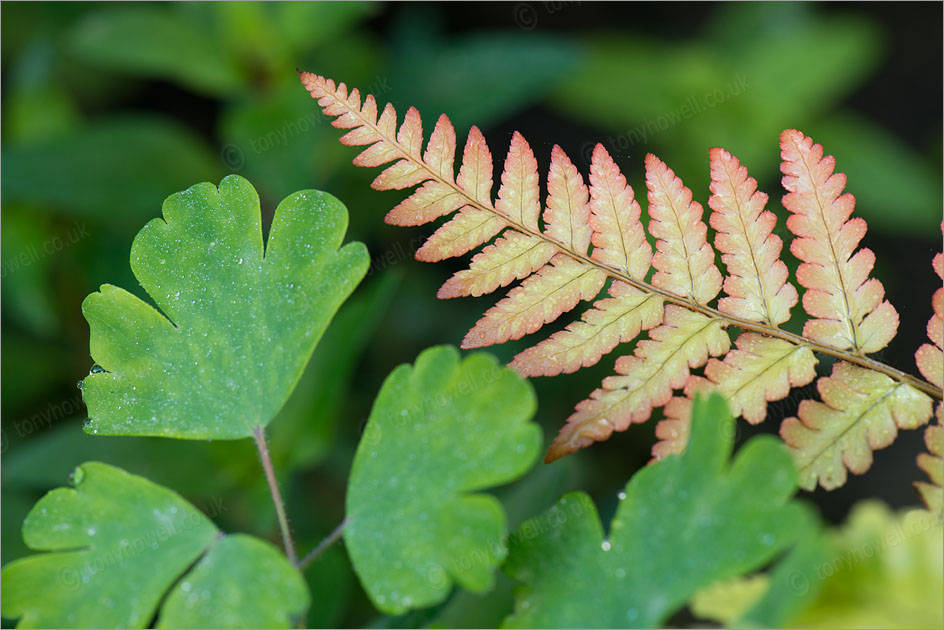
(930, 358)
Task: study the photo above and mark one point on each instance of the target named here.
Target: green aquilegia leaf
(249, 582)
(439, 431)
(117, 543)
(239, 321)
(685, 522)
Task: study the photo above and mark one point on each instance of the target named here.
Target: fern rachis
(591, 234)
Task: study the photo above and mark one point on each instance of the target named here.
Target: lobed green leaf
(684, 522)
(439, 431)
(116, 545)
(238, 322)
(242, 582)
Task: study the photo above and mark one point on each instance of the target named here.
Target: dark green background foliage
(109, 109)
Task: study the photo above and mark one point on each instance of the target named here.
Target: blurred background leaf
(879, 570)
(152, 41)
(883, 571)
(111, 170)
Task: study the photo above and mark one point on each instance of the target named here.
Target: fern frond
(472, 227)
(475, 176)
(861, 412)
(441, 151)
(619, 241)
(515, 255)
(848, 305)
(585, 235)
(930, 358)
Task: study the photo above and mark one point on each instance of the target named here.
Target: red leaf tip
(600, 154)
(718, 153)
(652, 161)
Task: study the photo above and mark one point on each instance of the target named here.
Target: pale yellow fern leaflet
(511, 257)
(673, 430)
(645, 380)
(618, 237)
(848, 305)
(761, 369)
(613, 320)
(756, 284)
(684, 261)
(861, 411)
(930, 358)
(584, 235)
(933, 466)
(541, 298)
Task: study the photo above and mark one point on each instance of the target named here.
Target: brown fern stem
(757, 327)
(770, 331)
